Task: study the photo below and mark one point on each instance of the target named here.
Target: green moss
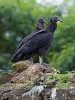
(63, 85)
(27, 86)
(62, 80)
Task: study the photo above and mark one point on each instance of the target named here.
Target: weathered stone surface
(21, 66)
(38, 82)
(65, 94)
(33, 94)
(31, 73)
(12, 91)
(42, 92)
(44, 80)
(6, 77)
(12, 94)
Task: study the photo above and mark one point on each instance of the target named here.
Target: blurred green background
(17, 20)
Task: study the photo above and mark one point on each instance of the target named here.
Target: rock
(20, 94)
(6, 77)
(31, 73)
(10, 91)
(21, 66)
(44, 80)
(34, 93)
(47, 93)
(42, 92)
(12, 94)
(37, 83)
(65, 94)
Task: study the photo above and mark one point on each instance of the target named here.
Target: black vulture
(38, 43)
(39, 26)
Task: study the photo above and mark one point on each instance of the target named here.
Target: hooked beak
(60, 20)
(45, 22)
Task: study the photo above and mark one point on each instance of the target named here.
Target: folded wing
(32, 44)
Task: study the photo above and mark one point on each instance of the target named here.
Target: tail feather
(16, 58)
(20, 57)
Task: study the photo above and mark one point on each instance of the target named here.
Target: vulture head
(40, 23)
(56, 19)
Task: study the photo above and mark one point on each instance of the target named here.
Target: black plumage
(38, 43)
(39, 26)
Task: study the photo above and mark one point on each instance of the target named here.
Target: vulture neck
(40, 27)
(52, 26)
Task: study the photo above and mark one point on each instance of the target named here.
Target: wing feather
(27, 38)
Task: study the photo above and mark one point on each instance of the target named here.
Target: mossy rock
(21, 66)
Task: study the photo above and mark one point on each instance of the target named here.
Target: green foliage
(17, 19)
(62, 80)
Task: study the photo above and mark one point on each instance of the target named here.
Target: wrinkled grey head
(56, 19)
(40, 23)
(41, 20)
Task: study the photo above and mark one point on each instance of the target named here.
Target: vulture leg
(40, 59)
